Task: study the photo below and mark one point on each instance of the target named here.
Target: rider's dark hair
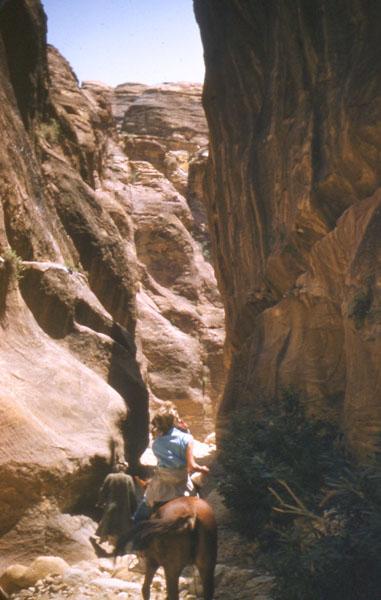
(164, 419)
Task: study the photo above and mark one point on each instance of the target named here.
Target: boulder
(16, 577)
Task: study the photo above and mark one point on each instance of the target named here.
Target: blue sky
(116, 41)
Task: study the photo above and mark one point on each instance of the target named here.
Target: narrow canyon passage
(150, 185)
(216, 247)
(110, 294)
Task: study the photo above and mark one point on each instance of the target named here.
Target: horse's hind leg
(151, 568)
(172, 575)
(205, 560)
(207, 580)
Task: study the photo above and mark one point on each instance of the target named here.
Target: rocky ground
(99, 579)
(236, 574)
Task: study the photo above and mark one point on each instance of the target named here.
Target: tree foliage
(315, 512)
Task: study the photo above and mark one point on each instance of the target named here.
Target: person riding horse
(172, 529)
(173, 449)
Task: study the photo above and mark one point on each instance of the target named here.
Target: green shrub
(342, 560)
(50, 131)
(315, 513)
(262, 449)
(13, 263)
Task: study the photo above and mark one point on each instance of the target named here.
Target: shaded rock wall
(26, 63)
(292, 96)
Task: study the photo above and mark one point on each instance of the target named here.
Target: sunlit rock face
(166, 125)
(106, 299)
(69, 374)
(181, 318)
(292, 97)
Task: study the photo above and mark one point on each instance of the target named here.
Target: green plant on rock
(13, 264)
(340, 560)
(50, 131)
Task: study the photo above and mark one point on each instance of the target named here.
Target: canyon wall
(107, 304)
(68, 363)
(181, 318)
(293, 101)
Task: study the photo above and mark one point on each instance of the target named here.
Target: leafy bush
(340, 560)
(13, 263)
(50, 131)
(315, 513)
(262, 449)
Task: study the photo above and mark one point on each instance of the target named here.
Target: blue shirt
(170, 449)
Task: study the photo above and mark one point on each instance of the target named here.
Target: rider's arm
(192, 465)
(142, 482)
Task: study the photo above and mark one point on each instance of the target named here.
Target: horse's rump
(182, 531)
(145, 532)
(176, 516)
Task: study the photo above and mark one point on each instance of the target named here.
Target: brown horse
(181, 532)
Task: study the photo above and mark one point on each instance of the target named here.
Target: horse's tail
(143, 533)
(153, 528)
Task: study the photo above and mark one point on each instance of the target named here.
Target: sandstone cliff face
(68, 368)
(181, 319)
(292, 97)
(98, 311)
(166, 125)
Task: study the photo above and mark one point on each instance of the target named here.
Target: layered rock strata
(166, 125)
(292, 96)
(181, 317)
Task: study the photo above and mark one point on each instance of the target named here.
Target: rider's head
(164, 420)
(121, 466)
